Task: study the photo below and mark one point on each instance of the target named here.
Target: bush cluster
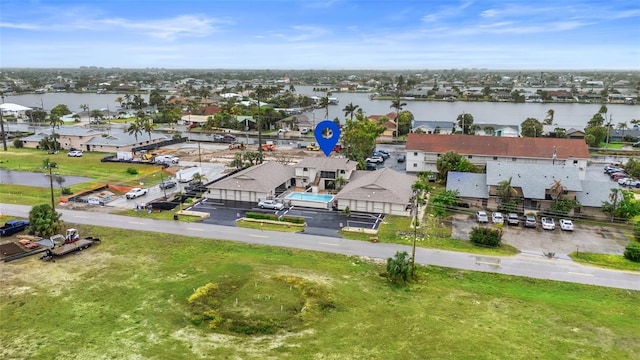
(632, 252)
(132, 171)
(274, 217)
(486, 236)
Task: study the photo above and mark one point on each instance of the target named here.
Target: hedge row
(274, 217)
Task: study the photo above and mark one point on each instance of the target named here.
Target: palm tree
(505, 191)
(120, 101)
(622, 126)
(85, 107)
(134, 129)
(488, 130)
(127, 99)
(398, 105)
(556, 189)
(146, 125)
(324, 102)
(55, 120)
(548, 120)
(350, 110)
(199, 177)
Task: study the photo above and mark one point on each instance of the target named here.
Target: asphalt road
(529, 265)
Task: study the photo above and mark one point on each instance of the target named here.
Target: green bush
(274, 217)
(632, 252)
(66, 191)
(132, 171)
(486, 236)
(18, 144)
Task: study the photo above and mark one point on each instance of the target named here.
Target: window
(305, 169)
(575, 162)
(495, 158)
(438, 155)
(469, 156)
(415, 165)
(415, 154)
(514, 159)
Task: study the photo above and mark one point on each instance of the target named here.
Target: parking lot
(319, 221)
(597, 239)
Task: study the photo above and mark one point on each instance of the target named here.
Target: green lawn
(127, 298)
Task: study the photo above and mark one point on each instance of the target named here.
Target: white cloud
(180, 26)
(20, 26)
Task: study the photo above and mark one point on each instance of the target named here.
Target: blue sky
(329, 34)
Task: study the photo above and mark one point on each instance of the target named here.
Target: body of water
(566, 115)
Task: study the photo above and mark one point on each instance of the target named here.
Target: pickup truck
(13, 226)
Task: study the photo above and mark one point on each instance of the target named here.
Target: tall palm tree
(120, 101)
(135, 129)
(556, 189)
(548, 120)
(350, 110)
(505, 191)
(127, 99)
(55, 120)
(398, 105)
(622, 126)
(85, 107)
(146, 125)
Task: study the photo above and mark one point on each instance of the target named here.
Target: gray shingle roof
(534, 179)
(123, 139)
(326, 163)
(595, 192)
(385, 185)
(468, 184)
(263, 178)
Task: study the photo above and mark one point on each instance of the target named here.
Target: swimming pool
(305, 196)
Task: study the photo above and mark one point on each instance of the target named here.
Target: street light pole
(415, 234)
(53, 203)
(4, 136)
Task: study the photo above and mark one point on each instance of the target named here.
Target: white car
(566, 225)
(270, 204)
(482, 217)
(375, 159)
(75, 153)
(548, 223)
(135, 192)
(497, 218)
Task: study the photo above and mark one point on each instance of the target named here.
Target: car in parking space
(610, 169)
(375, 159)
(75, 153)
(530, 221)
(168, 184)
(135, 192)
(270, 204)
(218, 137)
(402, 158)
(632, 183)
(621, 181)
(548, 223)
(497, 218)
(513, 219)
(566, 225)
(382, 153)
(618, 176)
(481, 216)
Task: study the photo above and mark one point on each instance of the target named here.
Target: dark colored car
(168, 184)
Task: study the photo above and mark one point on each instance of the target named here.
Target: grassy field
(128, 298)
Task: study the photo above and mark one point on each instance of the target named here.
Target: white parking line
(195, 229)
(259, 236)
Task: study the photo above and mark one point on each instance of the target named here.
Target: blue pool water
(325, 198)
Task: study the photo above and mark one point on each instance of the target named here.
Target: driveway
(595, 239)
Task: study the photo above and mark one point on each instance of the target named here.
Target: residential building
(264, 181)
(423, 150)
(323, 172)
(68, 137)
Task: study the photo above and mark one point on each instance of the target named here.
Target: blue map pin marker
(327, 135)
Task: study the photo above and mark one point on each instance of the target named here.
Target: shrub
(274, 217)
(66, 191)
(632, 252)
(18, 144)
(398, 267)
(486, 236)
(132, 171)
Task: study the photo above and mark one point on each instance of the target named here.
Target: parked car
(75, 153)
(372, 166)
(618, 176)
(566, 225)
(375, 159)
(632, 183)
(13, 226)
(218, 137)
(270, 204)
(636, 144)
(481, 216)
(229, 138)
(530, 221)
(385, 154)
(168, 184)
(497, 218)
(135, 192)
(402, 158)
(512, 219)
(548, 223)
(623, 180)
(610, 168)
